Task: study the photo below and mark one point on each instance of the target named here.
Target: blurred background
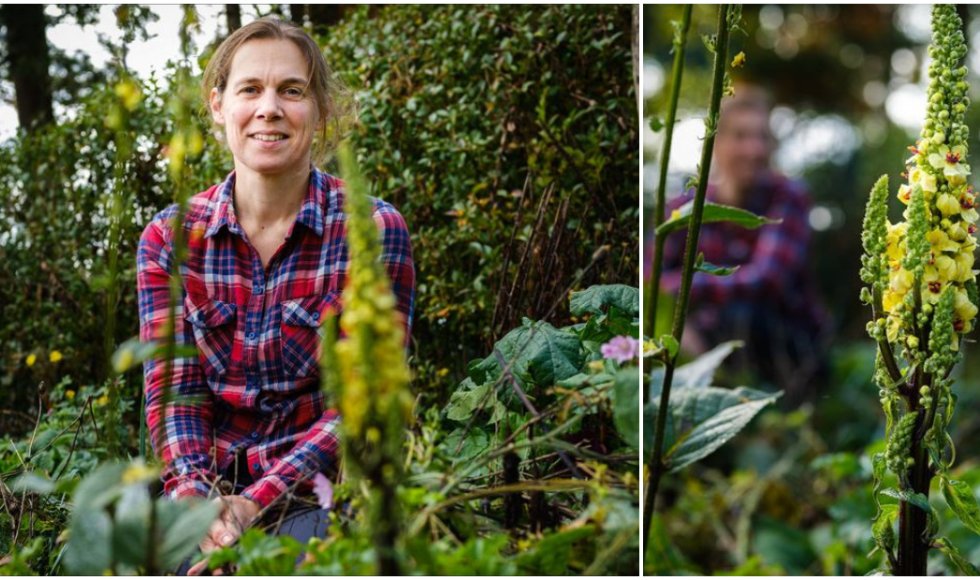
(849, 87)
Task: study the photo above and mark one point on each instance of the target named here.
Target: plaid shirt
(254, 389)
(772, 260)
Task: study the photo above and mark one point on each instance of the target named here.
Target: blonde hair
(335, 105)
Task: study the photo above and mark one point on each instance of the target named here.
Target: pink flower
(323, 490)
(621, 349)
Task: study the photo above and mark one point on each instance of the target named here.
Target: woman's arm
(181, 428)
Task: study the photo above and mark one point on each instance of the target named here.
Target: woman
(267, 257)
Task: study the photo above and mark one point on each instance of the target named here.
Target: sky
(144, 57)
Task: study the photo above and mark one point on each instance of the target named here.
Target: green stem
(694, 229)
(652, 291)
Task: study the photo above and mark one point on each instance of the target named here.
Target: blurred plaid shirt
(254, 389)
(772, 260)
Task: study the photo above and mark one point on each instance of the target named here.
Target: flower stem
(653, 287)
(694, 229)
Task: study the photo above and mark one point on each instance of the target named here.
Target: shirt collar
(310, 212)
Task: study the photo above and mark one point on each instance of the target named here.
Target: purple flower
(621, 349)
(323, 490)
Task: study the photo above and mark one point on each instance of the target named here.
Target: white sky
(143, 57)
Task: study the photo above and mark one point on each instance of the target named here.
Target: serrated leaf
(881, 529)
(537, 352)
(701, 371)
(961, 563)
(626, 403)
(959, 496)
(713, 213)
(706, 436)
(917, 499)
(598, 299)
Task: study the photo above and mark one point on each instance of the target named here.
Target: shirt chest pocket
(213, 323)
(301, 332)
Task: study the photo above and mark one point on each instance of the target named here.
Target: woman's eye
(250, 90)
(294, 92)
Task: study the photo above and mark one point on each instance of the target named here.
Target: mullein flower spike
(933, 249)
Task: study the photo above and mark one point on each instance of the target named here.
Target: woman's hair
(334, 102)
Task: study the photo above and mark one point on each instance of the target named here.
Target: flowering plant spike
(921, 285)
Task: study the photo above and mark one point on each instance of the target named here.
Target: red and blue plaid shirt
(253, 391)
(772, 260)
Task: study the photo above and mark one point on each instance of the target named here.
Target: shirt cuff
(190, 488)
(265, 490)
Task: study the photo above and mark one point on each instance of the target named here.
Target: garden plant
(922, 289)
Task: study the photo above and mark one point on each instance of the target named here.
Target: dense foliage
(515, 166)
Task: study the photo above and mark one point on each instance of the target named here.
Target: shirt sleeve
(178, 406)
(318, 449)
(779, 253)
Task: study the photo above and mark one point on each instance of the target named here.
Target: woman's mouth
(269, 137)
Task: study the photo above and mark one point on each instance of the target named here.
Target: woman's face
(267, 113)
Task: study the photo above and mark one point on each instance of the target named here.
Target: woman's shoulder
(200, 208)
(336, 194)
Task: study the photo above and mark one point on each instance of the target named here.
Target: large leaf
(713, 212)
(597, 299)
(916, 499)
(180, 539)
(701, 371)
(89, 545)
(100, 488)
(132, 521)
(705, 419)
(626, 403)
(959, 496)
(537, 353)
(467, 399)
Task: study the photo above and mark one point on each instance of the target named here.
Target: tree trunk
(27, 53)
(233, 14)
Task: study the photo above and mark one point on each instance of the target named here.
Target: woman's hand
(237, 513)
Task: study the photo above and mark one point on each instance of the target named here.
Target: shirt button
(251, 336)
(255, 466)
(255, 435)
(316, 316)
(259, 289)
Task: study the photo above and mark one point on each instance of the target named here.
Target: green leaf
(467, 399)
(917, 499)
(88, 549)
(656, 124)
(959, 496)
(626, 402)
(713, 270)
(705, 419)
(961, 563)
(100, 488)
(662, 557)
(713, 212)
(537, 353)
(701, 371)
(597, 299)
(778, 543)
(192, 523)
(33, 482)
(551, 556)
(132, 522)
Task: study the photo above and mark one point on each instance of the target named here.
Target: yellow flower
(31, 359)
(890, 300)
(70, 394)
(946, 267)
(965, 310)
(902, 280)
(940, 242)
(964, 266)
(950, 161)
(948, 204)
(102, 401)
(55, 356)
(138, 472)
(924, 180)
(896, 240)
(442, 372)
(739, 60)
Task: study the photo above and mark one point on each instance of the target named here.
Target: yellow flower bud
(946, 267)
(31, 359)
(948, 204)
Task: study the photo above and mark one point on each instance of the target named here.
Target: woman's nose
(270, 106)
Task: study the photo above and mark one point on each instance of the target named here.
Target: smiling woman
(246, 420)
